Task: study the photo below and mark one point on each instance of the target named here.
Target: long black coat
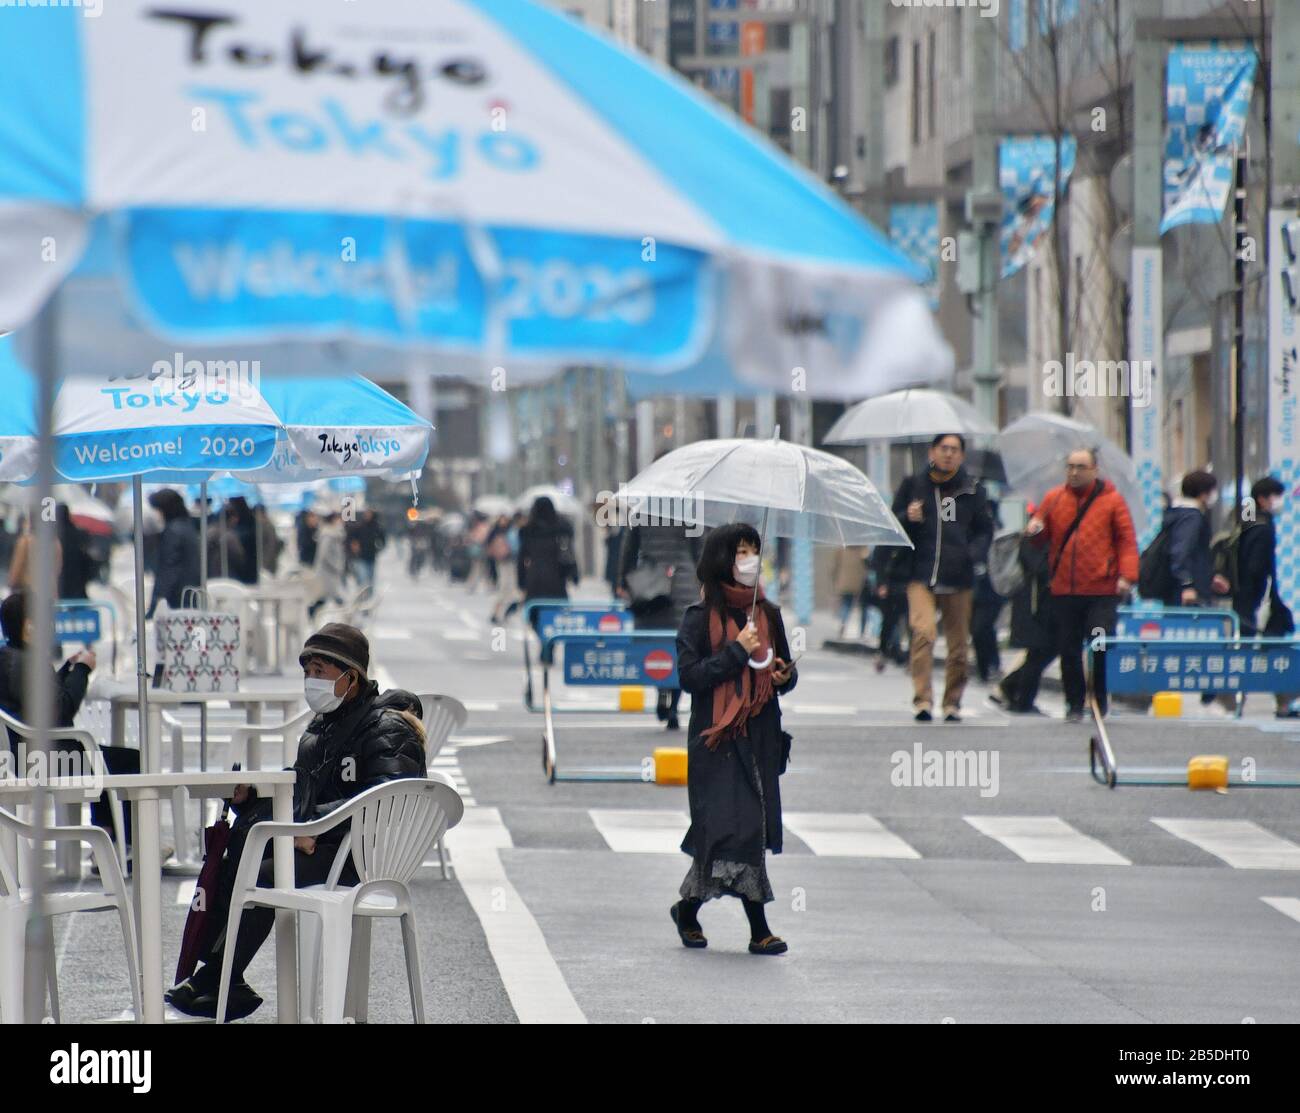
(546, 563)
(726, 813)
(178, 562)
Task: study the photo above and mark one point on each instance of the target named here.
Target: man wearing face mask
(359, 738)
(1192, 582)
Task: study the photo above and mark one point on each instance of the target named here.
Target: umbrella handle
(764, 662)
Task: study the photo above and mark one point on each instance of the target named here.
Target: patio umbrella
(904, 415)
(501, 191)
(1034, 448)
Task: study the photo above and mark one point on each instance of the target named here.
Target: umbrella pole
(150, 763)
(203, 589)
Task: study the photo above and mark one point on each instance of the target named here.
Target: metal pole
(985, 196)
(1239, 330)
(39, 681)
(149, 762)
(203, 536)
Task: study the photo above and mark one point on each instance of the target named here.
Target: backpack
(1225, 553)
(1006, 573)
(1154, 577)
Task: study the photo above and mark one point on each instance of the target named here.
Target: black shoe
(923, 716)
(952, 717)
(200, 1000)
(691, 937)
(880, 664)
(1031, 710)
(1074, 714)
(673, 724)
(771, 945)
(998, 698)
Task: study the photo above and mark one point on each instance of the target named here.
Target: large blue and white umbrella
(263, 428)
(476, 176)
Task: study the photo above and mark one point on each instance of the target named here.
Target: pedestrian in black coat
(736, 749)
(178, 550)
(546, 564)
(669, 547)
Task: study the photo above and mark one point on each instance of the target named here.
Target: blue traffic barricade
(1145, 666)
(548, 617)
(82, 622)
(633, 659)
(1176, 623)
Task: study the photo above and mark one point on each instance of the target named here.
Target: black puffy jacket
(364, 743)
(947, 546)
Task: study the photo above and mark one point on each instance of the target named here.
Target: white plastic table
(277, 593)
(252, 700)
(148, 790)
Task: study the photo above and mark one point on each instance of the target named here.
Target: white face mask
(320, 695)
(745, 570)
(1211, 499)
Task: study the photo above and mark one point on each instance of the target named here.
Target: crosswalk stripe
(1046, 838)
(1288, 906)
(847, 835)
(1244, 845)
(641, 832)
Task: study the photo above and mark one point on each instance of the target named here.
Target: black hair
(543, 512)
(717, 557)
(1198, 483)
(1092, 453)
(169, 504)
(13, 614)
(1266, 488)
(944, 436)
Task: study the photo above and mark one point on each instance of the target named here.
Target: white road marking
(185, 891)
(1239, 842)
(847, 835)
(532, 979)
(1288, 906)
(480, 705)
(819, 709)
(1046, 838)
(453, 635)
(641, 832)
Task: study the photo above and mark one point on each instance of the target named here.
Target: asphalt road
(1028, 893)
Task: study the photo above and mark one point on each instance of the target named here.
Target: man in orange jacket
(1093, 560)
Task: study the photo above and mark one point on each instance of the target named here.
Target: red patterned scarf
(737, 701)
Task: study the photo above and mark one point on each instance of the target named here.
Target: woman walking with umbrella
(734, 659)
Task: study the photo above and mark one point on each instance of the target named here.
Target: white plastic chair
(91, 746)
(246, 740)
(392, 827)
(15, 909)
(443, 715)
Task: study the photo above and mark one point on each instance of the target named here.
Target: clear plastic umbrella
(909, 415)
(785, 489)
(1034, 449)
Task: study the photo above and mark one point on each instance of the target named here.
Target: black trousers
(1021, 686)
(1078, 619)
(256, 923)
(893, 620)
(987, 607)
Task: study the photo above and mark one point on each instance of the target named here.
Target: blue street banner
(596, 661)
(1028, 200)
(1176, 624)
(1208, 95)
(1139, 668)
(914, 228)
